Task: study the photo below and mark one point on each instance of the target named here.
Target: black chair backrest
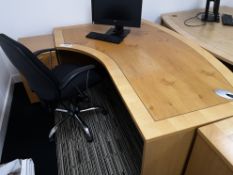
(41, 80)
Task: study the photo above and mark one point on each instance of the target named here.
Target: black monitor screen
(117, 12)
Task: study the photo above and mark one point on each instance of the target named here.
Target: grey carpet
(117, 145)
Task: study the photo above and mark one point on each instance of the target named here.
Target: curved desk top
(214, 37)
(166, 82)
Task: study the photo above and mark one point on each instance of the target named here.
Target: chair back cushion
(40, 78)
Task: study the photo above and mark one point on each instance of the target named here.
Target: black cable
(197, 16)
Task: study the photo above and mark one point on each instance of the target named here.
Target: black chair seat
(79, 83)
(63, 69)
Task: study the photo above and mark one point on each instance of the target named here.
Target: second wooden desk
(214, 37)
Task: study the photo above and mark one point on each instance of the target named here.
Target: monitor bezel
(133, 23)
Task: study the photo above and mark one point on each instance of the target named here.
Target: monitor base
(114, 35)
(118, 31)
(210, 18)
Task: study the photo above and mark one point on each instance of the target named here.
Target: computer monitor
(119, 13)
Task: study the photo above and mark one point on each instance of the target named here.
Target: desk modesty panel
(166, 82)
(213, 150)
(213, 36)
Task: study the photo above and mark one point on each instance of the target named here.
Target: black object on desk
(117, 13)
(227, 20)
(104, 37)
(213, 16)
(112, 35)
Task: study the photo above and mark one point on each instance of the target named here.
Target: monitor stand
(118, 31)
(113, 35)
(211, 16)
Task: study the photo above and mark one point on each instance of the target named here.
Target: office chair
(53, 87)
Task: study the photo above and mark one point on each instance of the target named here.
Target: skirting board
(5, 113)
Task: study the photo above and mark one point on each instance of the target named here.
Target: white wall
(33, 17)
(28, 17)
(227, 3)
(152, 9)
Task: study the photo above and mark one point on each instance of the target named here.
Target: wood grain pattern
(220, 136)
(158, 67)
(149, 61)
(167, 155)
(213, 150)
(214, 37)
(35, 43)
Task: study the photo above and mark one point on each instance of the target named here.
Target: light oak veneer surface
(169, 77)
(214, 37)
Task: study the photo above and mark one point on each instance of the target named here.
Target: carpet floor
(117, 145)
(116, 149)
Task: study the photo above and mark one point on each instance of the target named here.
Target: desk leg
(167, 155)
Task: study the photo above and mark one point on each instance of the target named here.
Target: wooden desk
(167, 84)
(214, 37)
(36, 43)
(213, 150)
